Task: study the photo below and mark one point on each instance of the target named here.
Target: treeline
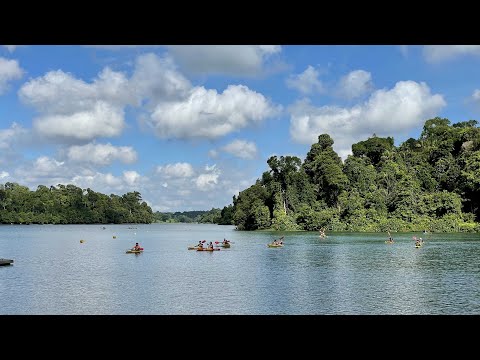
(69, 205)
(214, 216)
(430, 183)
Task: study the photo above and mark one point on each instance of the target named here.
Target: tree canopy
(430, 183)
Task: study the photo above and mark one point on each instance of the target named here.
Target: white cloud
(386, 113)
(223, 59)
(9, 70)
(209, 180)
(208, 114)
(177, 170)
(11, 136)
(158, 79)
(306, 82)
(45, 166)
(10, 48)
(74, 110)
(104, 183)
(4, 174)
(101, 154)
(102, 120)
(438, 53)
(206, 182)
(475, 97)
(242, 149)
(355, 84)
(131, 177)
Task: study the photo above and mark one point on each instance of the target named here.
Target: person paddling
(136, 247)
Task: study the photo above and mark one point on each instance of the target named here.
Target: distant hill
(213, 216)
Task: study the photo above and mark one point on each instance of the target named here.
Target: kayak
(226, 246)
(388, 242)
(205, 249)
(192, 247)
(134, 251)
(275, 246)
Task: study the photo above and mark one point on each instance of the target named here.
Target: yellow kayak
(205, 249)
(275, 245)
(134, 251)
(192, 247)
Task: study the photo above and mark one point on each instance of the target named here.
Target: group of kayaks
(218, 244)
(418, 242)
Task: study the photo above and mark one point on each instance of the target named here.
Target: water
(347, 273)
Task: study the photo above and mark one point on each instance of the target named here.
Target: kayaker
(225, 241)
(200, 244)
(390, 238)
(136, 247)
(210, 246)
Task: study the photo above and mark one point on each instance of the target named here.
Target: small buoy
(114, 237)
(82, 241)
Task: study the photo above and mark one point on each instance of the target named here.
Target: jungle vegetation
(431, 183)
(69, 204)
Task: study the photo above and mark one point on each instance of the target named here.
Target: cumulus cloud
(398, 110)
(9, 70)
(223, 59)
(439, 53)
(131, 177)
(158, 79)
(101, 154)
(355, 84)
(72, 109)
(100, 182)
(209, 114)
(102, 120)
(208, 180)
(242, 149)
(4, 174)
(12, 135)
(177, 170)
(306, 82)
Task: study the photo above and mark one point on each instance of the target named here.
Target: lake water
(346, 273)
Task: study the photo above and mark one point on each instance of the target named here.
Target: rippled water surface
(346, 273)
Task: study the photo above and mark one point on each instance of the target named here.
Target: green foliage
(428, 183)
(69, 205)
(374, 148)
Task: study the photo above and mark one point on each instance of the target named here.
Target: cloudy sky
(191, 126)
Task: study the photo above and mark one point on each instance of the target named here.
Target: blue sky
(191, 126)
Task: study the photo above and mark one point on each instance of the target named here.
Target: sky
(191, 126)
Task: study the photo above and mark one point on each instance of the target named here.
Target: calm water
(344, 274)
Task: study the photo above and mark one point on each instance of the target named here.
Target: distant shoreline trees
(69, 204)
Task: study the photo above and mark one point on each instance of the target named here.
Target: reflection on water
(346, 273)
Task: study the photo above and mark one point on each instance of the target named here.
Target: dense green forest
(69, 205)
(213, 216)
(431, 183)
